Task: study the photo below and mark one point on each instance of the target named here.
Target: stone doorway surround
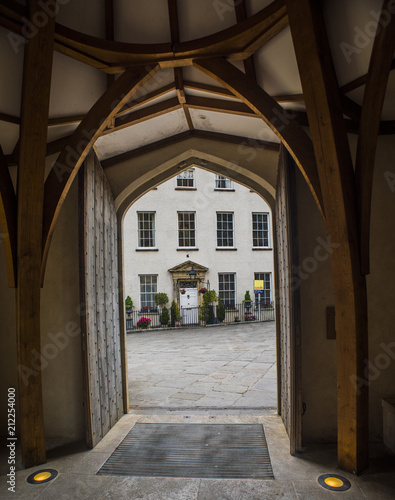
(182, 279)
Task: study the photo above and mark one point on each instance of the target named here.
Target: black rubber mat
(232, 451)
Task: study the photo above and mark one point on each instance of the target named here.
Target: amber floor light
(42, 476)
(334, 482)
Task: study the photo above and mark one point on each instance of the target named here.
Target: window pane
(146, 229)
(222, 182)
(225, 230)
(227, 289)
(186, 229)
(186, 178)
(148, 290)
(260, 230)
(265, 298)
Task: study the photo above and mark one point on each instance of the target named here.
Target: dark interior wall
(8, 352)
(60, 329)
(318, 354)
(59, 359)
(380, 372)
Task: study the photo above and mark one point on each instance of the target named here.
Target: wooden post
(30, 192)
(337, 182)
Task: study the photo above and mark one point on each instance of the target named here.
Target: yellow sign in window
(258, 285)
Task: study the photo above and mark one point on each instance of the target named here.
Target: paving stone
(186, 396)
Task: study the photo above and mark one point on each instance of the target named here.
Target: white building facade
(198, 222)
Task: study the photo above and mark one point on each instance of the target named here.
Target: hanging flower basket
(203, 290)
(182, 291)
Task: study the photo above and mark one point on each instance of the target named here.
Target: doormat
(220, 451)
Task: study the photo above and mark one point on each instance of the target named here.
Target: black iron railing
(195, 316)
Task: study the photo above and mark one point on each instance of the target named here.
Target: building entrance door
(189, 306)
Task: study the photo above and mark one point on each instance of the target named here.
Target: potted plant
(220, 311)
(237, 319)
(182, 291)
(206, 312)
(143, 323)
(164, 316)
(247, 300)
(249, 317)
(176, 311)
(128, 304)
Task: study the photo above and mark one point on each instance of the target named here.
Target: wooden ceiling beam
(241, 15)
(369, 129)
(146, 97)
(336, 174)
(8, 222)
(70, 159)
(200, 134)
(4, 117)
(144, 114)
(109, 21)
(239, 41)
(278, 119)
(220, 106)
(358, 82)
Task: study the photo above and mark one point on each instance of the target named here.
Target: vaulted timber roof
(96, 41)
(129, 78)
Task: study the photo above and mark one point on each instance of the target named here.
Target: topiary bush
(161, 299)
(164, 317)
(177, 313)
(220, 311)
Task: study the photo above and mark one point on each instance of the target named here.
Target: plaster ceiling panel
(86, 16)
(11, 57)
(351, 27)
(141, 21)
(205, 17)
(157, 81)
(276, 66)
(59, 131)
(254, 6)
(195, 75)
(201, 93)
(75, 86)
(226, 123)
(9, 135)
(141, 134)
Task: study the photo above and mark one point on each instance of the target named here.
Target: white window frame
(222, 179)
(182, 177)
(259, 276)
(179, 229)
(225, 301)
(152, 302)
(233, 229)
(263, 230)
(150, 229)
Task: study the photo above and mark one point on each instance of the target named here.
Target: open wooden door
(101, 344)
(288, 302)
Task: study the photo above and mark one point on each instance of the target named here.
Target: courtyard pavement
(222, 368)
